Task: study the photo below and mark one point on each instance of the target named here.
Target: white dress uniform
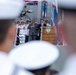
(9, 9)
(17, 26)
(70, 65)
(6, 67)
(22, 34)
(26, 30)
(34, 55)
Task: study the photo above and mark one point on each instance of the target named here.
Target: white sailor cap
(27, 19)
(22, 21)
(67, 4)
(10, 9)
(34, 55)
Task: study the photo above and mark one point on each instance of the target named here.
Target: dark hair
(40, 71)
(46, 21)
(42, 19)
(18, 22)
(27, 21)
(4, 27)
(54, 72)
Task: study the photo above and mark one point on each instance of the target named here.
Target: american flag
(54, 13)
(55, 17)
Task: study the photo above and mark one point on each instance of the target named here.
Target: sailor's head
(18, 22)
(9, 10)
(42, 21)
(27, 21)
(22, 22)
(68, 8)
(33, 20)
(46, 21)
(36, 56)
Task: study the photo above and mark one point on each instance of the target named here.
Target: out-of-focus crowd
(29, 30)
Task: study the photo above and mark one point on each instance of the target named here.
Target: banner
(32, 3)
(44, 9)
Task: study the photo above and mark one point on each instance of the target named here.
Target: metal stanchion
(41, 33)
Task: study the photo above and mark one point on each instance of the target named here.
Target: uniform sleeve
(6, 68)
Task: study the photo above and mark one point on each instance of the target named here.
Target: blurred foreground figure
(9, 10)
(36, 56)
(69, 33)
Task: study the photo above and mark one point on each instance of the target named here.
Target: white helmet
(34, 55)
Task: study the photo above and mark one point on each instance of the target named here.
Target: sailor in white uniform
(68, 29)
(36, 56)
(26, 30)
(18, 24)
(9, 10)
(22, 32)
